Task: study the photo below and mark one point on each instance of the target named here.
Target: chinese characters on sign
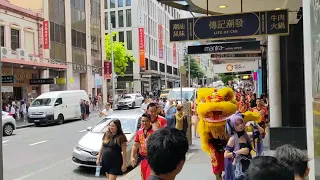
(8, 79)
(160, 36)
(227, 26)
(41, 81)
(77, 68)
(174, 53)
(107, 65)
(141, 50)
(46, 35)
(228, 56)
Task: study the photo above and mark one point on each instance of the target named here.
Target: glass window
(105, 4)
(29, 42)
(120, 3)
(112, 4)
(83, 37)
(2, 36)
(15, 39)
(72, 2)
(51, 31)
(113, 18)
(120, 18)
(129, 40)
(128, 17)
(79, 39)
(61, 13)
(115, 38)
(106, 22)
(82, 5)
(63, 34)
(121, 36)
(128, 2)
(74, 37)
(57, 32)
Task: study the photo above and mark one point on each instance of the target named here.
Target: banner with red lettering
(160, 37)
(141, 50)
(46, 35)
(107, 67)
(174, 53)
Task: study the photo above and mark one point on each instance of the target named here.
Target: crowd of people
(160, 145)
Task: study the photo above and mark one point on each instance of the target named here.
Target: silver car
(85, 153)
(8, 124)
(130, 101)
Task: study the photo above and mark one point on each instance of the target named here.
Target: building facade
(76, 30)
(143, 26)
(25, 69)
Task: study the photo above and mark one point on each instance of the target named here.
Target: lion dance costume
(214, 107)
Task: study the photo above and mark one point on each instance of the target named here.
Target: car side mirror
(56, 104)
(89, 128)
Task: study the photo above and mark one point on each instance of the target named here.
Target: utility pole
(113, 72)
(1, 129)
(189, 72)
(149, 49)
(165, 54)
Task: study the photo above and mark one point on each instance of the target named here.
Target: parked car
(130, 101)
(56, 107)
(8, 124)
(85, 153)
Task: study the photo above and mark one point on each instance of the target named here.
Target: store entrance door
(17, 93)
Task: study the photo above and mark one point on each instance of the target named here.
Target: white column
(89, 76)
(274, 75)
(45, 74)
(308, 61)
(69, 73)
(104, 82)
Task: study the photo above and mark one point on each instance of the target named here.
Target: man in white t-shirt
(107, 111)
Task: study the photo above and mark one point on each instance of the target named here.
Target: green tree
(225, 78)
(120, 53)
(195, 69)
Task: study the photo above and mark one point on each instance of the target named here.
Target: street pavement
(37, 153)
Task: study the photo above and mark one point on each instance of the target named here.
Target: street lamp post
(1, 130)
(189, 72)
(113, 72)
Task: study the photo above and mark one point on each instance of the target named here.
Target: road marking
(38, 143)
(5, 141)
(82, 131)
(43, 169)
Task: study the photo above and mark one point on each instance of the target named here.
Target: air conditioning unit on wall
(5, 52)
(22, 54)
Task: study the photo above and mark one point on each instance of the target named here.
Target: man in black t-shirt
(164, 164)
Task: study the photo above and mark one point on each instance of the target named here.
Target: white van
(56, 107)
(188, 94)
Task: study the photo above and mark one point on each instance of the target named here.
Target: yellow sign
(60, 80)
(71, 80)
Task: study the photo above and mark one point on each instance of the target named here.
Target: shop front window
(2, 36)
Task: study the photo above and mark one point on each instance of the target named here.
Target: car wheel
(8, 130)
(60, 119)
(133, 105)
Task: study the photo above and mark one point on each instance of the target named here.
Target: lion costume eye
(227, 98)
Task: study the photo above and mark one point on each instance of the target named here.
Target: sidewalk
(197, 166)
(23, 123)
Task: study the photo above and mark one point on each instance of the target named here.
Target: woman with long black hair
(112, 153)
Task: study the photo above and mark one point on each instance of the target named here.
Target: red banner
(46, 35)
(160, 36)
(107, 67)
(174, 53)
(141, 50)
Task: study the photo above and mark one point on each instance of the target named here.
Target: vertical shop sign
(107, 65)
(174, 53)
(141, 50)
(46, 36)
(160, 36)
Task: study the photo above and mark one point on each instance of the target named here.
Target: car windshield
(128, 125)
(127, 97)
(186, 95)
(42, 102)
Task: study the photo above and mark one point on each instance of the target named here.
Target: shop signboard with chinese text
(8, 79)
(107, 65)
(142, 57)
(236, 56)
(230, 26)
(235, 67)
(79, 68)
(160, 36)
(225, 47)
(41, 81)
(46, 35)
(174, 53)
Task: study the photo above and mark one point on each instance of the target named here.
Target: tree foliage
(120, 53)
(195, 69)
(226, 77)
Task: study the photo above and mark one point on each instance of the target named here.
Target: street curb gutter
(136, 170)
(24, 126)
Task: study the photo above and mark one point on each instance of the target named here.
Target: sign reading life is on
(230, 26)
